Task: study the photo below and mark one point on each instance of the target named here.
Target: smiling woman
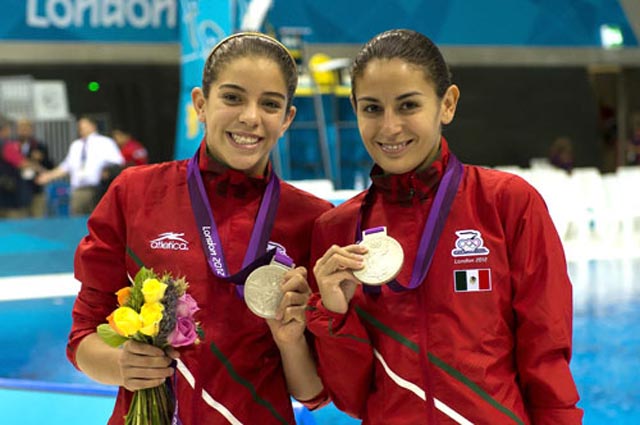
(414, 349)
(400, 114)
(245, 102)
(246, 112)
(212, 219)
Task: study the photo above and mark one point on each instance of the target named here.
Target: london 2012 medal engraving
(262, 292)
(384, 258)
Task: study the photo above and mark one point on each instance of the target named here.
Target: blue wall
(458, 22)
(452, 22)
(90, 20)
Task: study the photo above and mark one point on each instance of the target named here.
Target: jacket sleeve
(344, 351)
(345, 356)
(542, 302)
(99, 265)
(320, 400)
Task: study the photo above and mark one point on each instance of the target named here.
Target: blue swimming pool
(36, 371)
(606, 356)
(40, 328)
(606, 364)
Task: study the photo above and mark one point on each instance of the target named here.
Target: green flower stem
(151, 406)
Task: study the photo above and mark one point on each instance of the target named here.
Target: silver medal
(384, 258)
(262, 292)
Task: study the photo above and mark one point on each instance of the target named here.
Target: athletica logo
(469, 242)
(171, 241)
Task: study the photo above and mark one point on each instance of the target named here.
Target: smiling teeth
(245, 140)
(393, 148)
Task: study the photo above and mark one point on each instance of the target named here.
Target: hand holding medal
(279, 292)
(334, 275)
(374, 261)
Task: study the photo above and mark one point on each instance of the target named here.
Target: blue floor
(606, 356)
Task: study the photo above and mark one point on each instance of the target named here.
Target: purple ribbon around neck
(432, 229)
(211, 243)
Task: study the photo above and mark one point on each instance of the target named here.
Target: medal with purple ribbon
(210, 239)
(432, 229)
(262, 291)
(383, 260)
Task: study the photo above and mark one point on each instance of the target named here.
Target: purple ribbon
(373, 230)
(433, 227)
(283, 259)
(208, 231)
(173, 387)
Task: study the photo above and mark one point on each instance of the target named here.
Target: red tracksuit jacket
(236, 371)
(447, 354)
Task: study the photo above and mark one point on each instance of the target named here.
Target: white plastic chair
(628, 180)
(589, 212)
(553, 185)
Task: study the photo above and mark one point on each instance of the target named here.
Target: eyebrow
(399, 98)
(242, 89)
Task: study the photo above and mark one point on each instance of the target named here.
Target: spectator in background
(9, 174)
(16, 170)
(608, 126)
(133, 152)
(85, 160)
(38, 154)
(633, 153)
(561, 153)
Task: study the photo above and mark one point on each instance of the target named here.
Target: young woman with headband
(443, 289)
(169, 216)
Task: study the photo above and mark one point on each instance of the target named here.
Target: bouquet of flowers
(155, 310)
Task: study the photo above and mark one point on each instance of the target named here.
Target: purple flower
(186, 306)
(185, 333)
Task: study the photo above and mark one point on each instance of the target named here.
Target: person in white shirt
(85, 160)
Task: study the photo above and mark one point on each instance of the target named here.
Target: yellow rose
(125, 321)
(123, 295)
(153, 290)
(151, 315)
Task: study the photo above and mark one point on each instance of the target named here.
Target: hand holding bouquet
(154, 310)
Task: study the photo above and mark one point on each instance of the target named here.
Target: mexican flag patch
(472, 280)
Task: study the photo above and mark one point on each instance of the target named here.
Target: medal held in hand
(262, 291)
(384, 258)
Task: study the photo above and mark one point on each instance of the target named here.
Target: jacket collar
(227, 181)
(415, 184)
